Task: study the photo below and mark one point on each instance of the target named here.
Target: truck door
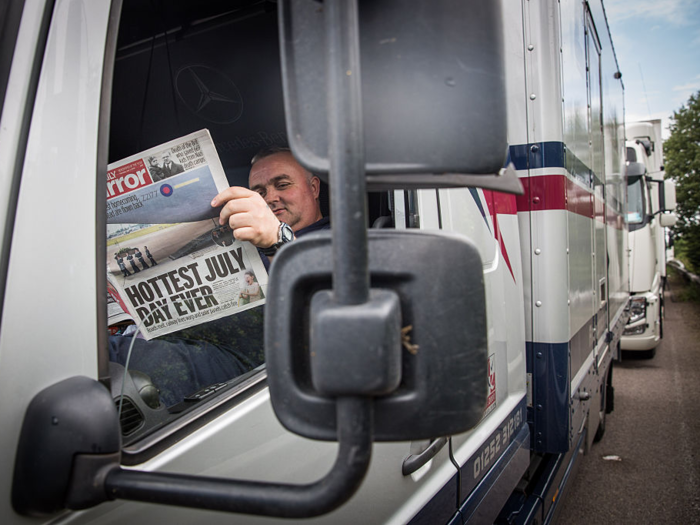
(112, 79)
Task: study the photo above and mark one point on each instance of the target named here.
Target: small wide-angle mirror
(667, 220)
(635, 169)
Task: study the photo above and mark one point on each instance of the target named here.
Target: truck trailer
(470, 295)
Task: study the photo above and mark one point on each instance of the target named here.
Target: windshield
(635, 200)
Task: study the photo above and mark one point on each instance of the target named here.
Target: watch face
(286, 233)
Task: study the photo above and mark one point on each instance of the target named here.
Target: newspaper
(168, 259)
(116, 309)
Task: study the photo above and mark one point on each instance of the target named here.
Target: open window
(181, 67)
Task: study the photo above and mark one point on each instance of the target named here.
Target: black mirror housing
(71, 420)
(427, 69)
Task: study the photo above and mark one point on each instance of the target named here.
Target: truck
(443, 354)
(651, 201)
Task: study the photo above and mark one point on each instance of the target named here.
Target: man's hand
(248, 215)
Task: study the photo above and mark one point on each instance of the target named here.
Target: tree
(682, 152)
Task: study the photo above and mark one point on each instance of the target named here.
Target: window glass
(635, 200)
(179, 68)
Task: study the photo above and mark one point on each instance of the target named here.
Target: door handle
(416, 461)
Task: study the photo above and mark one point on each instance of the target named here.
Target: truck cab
(651, 201)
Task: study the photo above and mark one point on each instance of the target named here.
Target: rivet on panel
(533, 96)
(530, 47)
(537, 251)
(538, 303)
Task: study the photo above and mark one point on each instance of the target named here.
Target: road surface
(646, 469)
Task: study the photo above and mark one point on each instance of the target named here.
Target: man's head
(152, 161)
(166, 158)
(289, 190)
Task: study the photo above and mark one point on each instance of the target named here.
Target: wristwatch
(284, 235)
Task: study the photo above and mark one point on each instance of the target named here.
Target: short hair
(269, 151)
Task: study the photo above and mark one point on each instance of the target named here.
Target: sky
(657, 43)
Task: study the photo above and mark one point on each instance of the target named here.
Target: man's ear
(315, 183)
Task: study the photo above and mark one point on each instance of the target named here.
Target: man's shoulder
(323, 224)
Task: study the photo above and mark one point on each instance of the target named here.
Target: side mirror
(668, 195)
(667, 220)
(424, 73)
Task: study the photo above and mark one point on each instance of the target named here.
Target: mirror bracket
(69, 451)
(341, 366)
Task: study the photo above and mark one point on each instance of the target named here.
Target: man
(139, 256)
(282, 193)
(122, 266)
(154, 169)
(148, 254)
(283, 196)
(170, 168)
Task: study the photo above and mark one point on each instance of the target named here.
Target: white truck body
(647, 241)
(554, 259)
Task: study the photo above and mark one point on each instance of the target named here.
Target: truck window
(180, 68)
(635, 201)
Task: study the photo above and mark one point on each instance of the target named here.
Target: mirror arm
(354, 420)
(346, 151)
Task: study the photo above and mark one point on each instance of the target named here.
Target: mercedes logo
(209, 94)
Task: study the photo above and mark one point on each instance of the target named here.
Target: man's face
(166, 158)
(288, 190)
(249, 278)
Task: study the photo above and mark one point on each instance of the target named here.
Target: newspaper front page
(168, 259)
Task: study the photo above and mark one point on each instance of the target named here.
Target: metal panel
(43, 341)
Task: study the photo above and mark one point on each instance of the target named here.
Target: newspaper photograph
(169, 261)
